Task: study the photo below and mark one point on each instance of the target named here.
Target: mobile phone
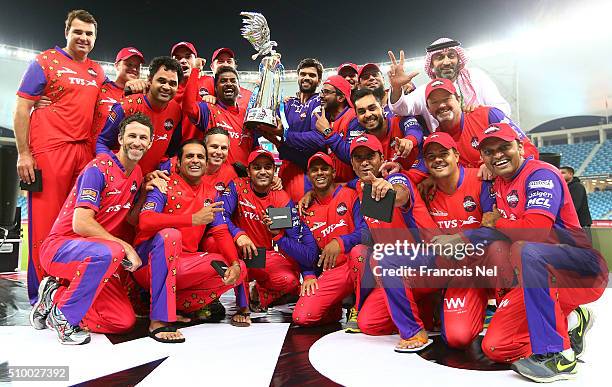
(35, 186)
(258, 261)
(220, 267)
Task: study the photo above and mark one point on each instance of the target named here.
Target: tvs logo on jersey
(134, 187)
(512, 198)
(341, 209)
(469, 204)
(92, 72)
(474, 142)
(207, 202)
(203, 91)
(169, 124)
(220, 186)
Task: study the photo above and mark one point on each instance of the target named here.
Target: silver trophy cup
(266, 98)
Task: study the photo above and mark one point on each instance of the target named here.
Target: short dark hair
(215, 130)
(570, 169)
(83, 16)
(311, 62)
(224, 69)
(191, 141)
(361, 93)
(170, 64)
(139, 117)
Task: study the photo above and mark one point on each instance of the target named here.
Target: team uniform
(59, 138)
(301, 141)
(189, 129)
(166, 128)
(533, 317)
(166, 232)
(338, 217)
(108, 96)
(393, 305)
(297, 249)
(91, 293)
(231, 118)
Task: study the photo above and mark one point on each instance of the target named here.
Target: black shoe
(546, 368)
(577, 335)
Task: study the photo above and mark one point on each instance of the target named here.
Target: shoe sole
(586, 330)
(86, 341)
(41, 287)
(413, 350)
(564, 376)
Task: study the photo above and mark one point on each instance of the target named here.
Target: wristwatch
(327, 132)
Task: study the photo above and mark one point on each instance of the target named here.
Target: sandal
(241, 324)
(424, 343)
(167, 328)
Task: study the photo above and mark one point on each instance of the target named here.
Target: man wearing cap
(445, 58)
(225, 112)
(391, 306)
(338, 227)
(370, 77)
(127, 64)
(246, 201)
(349, 72)
(181, 217)
(57, 140)
(535, 210)
(443, 102)
(400, 136)
(158, 104)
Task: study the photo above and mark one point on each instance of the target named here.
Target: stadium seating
(600, 204)
(571, 154)
(601, 163)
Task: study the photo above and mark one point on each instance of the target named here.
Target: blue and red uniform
(336, 217)
(208, 84)
(297, 249)
(231, 118)
(166, 128)
(91, 293)
(108, 96)
(60, 138)
(538, 215)
(394, 306)
(166, 230)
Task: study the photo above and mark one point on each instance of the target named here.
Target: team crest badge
(341, 209)
(203, 91)
(475, 142)
(134, 187)
(469, 204)
(168, 124)
(512, 198)
(220, 186)
(207, 202)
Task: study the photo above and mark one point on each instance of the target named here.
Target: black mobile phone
(220, 267)
(382, 209)
(36, 186)
(258, 261)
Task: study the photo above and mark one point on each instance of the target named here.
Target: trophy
(266, 97)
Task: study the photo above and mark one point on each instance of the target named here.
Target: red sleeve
(225, 243)
(190, 102)
(531, 227)
(151, 221)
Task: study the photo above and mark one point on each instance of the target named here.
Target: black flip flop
(167, 328)
(240, 324)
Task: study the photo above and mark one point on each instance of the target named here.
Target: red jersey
(474, 124)
(189, 129)
(463, 208)
(243, 98)
(103, 187)
(72, 87)
(338, 217)
(166, 121)
(344, 125)
(108, 95)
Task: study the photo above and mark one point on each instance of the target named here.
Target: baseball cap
(369, 141)
(499, 130)
(220, 51)
(367, 66)
(341, 84)
(439, 83)
(441, 138)
(347, 65)
(259, 152)
(187, 45)
(320, 156)
(128, 52)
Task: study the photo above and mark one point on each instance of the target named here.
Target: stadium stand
(601, 162)
(600, 204)
(571, 154)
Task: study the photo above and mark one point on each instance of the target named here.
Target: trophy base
(260, 116)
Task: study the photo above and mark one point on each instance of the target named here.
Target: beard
(449, 73)
(308, 89)
(379, 92)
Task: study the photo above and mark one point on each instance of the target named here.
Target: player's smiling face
(223, 59)
(445, 64)
(193, 162)
(364, 160)
(128, 69)
(308, 80)
(227, 88)
(440, 162)
(444, 106)
(503, 158)
(136, 140)
(217, 146)
(261, 173)
(186, 59)
(369, 113)
(329, 97)
(350, 75)
(321, 175)
(163, 85)
(372, 79)
(80, 38)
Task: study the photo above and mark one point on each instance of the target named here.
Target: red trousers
(197, 282)
(463, 313)
(325, 305)
(280, 276)
(91, 293)
(60, 169)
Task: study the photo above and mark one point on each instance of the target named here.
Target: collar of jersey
(328, 198)
(518, 171)
(64, 53)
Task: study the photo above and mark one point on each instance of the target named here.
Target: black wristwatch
(327, 132)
